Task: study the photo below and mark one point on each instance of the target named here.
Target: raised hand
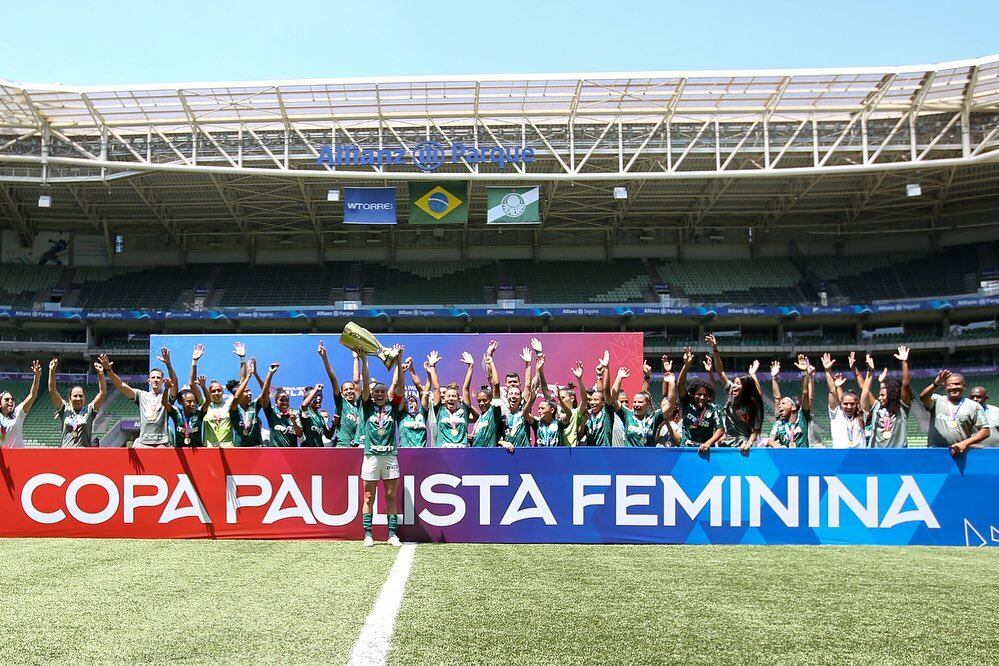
(903, 353)
(98, 367)
(623, 372)
(667, 364)
(167, 383)
(426, 366)
(36, 367)
(711, 341)
(491, 349)
(525, 354)
(802, 363)
(407, 365)
(541, 361)
(828, 361)
(646, 368)
(197, 353)
(433, 358)
(577, 370)
(274, 367)
(869, 360)
(669, 377)
(708, 363)
(164, 356)
(105, 361)
(852, 360)
(536, 345)
(53, 364)
(605, 359)
(321, 350)
(942, 377)
(688, 357)
(239, 349)
(251, 366)
(883, 376)
(774, 369)
(203, 381)
(467, 359)
(839, 380)
(754, 367)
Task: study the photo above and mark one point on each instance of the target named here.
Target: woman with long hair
(889, 414)
(77, 415)
(12, 414)
(793, 415)
(743, 412)
(701, 420)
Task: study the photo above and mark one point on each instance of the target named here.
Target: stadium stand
(21, 284)
(766, 281)
(156, 288)
(275, 285)
(580, 281)
(430, 282)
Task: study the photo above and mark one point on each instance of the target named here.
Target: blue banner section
(634, 310)
(369, 205)
(768, 496)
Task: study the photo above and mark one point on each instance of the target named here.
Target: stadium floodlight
(913, 189)
(44, 201)
(333, 195)
(620, 192)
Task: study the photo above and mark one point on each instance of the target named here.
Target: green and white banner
(513, 205)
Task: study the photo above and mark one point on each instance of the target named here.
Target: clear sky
(100, 41)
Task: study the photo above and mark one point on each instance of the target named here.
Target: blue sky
(98, 41)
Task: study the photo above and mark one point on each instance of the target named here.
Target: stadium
(783, 212)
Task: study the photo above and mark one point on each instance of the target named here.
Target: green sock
(392, 521)
(366, 521)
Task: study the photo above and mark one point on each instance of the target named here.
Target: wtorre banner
(891, 497)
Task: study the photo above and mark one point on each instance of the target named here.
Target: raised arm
(165, 396)
(357, 367)
(827, 364)
(709, 367)
(622, 373)
(926, 396)
(903, 358)
(807, 388)
(398, 387)
(802, 365)
(334, 384)
(125, 389)
(365, 380)
(53, 392)
(102, 388)
(681, 381)
(466, 384)
(164, 358)
(866, 399)
(716, 357)
(196, 354)
(577, 372)
(36, 370)
(494, 380)
(774, 383)
(265, 390)
(852, 362)
(311, 396)
(435, 385)
(407, 367)
(646, 376)
(525, 356)
(754, 367)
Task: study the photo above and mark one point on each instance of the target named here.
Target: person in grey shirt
(76, 415)
(888, 415)
(981, 396)
(955, 421)
(153, 429)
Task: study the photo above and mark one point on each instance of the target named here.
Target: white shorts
(379, 467)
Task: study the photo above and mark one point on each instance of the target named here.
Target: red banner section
(178, 493)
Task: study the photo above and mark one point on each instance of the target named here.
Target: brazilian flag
(438, 203)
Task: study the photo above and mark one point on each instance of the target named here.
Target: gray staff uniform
(152, 419)
(77, 427)
(887, 431)
(992, 421)
(950, 423)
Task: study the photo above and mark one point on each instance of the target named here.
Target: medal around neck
(361, 340)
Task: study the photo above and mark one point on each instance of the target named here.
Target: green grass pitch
(304, 602)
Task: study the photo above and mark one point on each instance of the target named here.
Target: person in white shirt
(981, 396)
(846, 421)
(12, 415)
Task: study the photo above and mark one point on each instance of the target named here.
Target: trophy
(363, 342)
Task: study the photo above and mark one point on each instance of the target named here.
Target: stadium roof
(694, 147)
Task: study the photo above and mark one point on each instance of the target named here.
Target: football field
(84, 601)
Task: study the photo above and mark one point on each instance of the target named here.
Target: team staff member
(348, 407)
(701, 423)
(77, 416)
(12, 415)
(846, 422)
(981, 396)
(153, 428)
(381, 411)
(955, 421)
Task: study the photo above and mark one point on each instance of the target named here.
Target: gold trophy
(363, 342)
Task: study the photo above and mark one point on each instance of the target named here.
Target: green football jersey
(350, 416)
(452, 427)
(282, 432)
(246, 425)
(378, 426)
(489, 426)
(413, 430)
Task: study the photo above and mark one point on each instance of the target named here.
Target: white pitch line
(372, 644)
